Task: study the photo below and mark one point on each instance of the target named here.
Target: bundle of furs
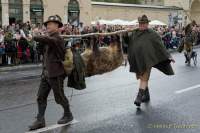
(68, 63)
(99, 60)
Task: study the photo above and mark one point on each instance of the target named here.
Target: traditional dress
(146, 50)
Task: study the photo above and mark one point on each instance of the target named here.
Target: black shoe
(146, 96)
(138, 99)
(186, 57)
(37, 124)
(67, 118)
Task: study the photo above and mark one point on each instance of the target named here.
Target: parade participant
(189, 40)
(146, 50)
(53, 73)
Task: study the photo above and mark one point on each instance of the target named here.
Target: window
(36, 11)
(73, 12)
(15, 11)
(0, 14)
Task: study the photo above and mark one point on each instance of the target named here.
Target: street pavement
(106, 105)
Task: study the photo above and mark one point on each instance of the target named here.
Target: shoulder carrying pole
(96, 34)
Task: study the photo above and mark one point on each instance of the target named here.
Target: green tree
(131, 1)
(121, 1)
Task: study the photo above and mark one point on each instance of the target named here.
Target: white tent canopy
(119, 22)
(124, 22)
(102, 21)
(115, 22)
(134, 22)
(93, 22)
(157, 22)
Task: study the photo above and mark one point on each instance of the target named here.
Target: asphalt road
(106, 106)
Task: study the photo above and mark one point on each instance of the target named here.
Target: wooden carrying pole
(96, 34)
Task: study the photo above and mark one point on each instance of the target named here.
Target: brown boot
(40, 121)
(37, 124)
(67, 118)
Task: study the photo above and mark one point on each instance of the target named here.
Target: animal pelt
(99, 60)
(68, 62)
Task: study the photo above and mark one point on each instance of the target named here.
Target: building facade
(37, 11)
(13, 11)
(130, 12)
(191, 8)
(75, 11)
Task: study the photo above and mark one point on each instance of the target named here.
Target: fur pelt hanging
(99, 60)
(68, 63)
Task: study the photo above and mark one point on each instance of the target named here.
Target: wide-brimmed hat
(56, 19)
(143, 19)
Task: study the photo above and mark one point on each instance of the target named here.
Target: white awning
(157, 22)
(114, 22)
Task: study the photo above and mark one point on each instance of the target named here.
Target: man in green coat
(146, 50)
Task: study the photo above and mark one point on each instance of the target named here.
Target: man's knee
(57, 86)
(60, 98)
(42, 100)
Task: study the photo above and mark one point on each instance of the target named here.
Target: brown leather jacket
(53, 54)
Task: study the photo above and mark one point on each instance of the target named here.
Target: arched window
(36, 12)
(15, 11)
(0, 14)
(73, 12)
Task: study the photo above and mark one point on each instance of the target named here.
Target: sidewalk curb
(20, 67)
(25, 78)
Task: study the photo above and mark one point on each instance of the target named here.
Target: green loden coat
(146, 50)
(76, 79)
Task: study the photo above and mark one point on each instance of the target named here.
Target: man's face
(52, 27)
(143, 26)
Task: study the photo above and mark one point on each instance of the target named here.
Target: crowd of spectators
(16, 44)
(18, 47)
(172, 37)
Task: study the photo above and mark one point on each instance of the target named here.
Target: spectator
(17, 46)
